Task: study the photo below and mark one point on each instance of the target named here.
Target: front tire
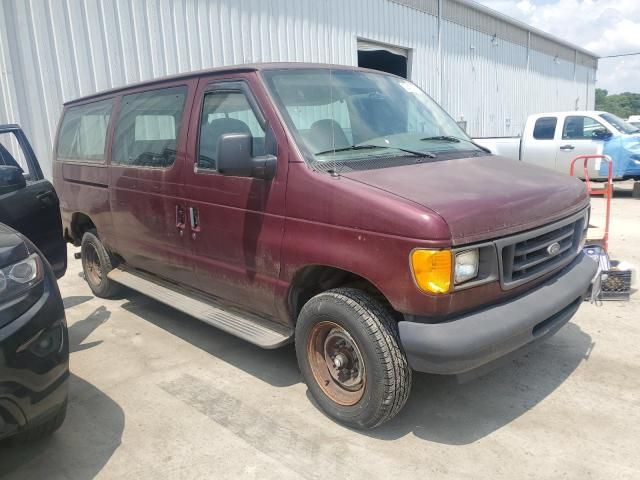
(350, 357)
(96, 265)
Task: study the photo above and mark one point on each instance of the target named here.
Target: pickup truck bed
(504, 146)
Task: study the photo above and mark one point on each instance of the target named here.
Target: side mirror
(11, 179)
(234, 158)
(602, 134)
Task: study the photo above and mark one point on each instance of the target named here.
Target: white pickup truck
(552, 140)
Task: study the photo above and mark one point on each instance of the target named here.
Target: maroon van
(336, 207)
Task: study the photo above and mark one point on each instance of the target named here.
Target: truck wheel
(350, 357)
(96, 264)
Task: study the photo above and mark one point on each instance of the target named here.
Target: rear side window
(545, 128)
(148, 128)
(83, 133)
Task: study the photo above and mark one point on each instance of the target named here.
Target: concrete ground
(156, 394)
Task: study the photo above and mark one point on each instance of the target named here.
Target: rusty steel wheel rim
(92, 265)
(336, 363)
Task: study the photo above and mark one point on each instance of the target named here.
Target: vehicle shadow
(622, 192)
(89, 436)
(276, 367)
(74, 300)
(439, 409)
(442, 410)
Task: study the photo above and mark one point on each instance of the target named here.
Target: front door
(147, 181)
(236, 224)
(579, 136)
(33, 210)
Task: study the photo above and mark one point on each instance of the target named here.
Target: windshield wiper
(452, 139)
(446, 138)
(371, 146)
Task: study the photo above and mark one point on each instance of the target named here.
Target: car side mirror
(602, 134)
(11, 179)
(234, 158)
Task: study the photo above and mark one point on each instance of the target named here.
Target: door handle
(46, 198)
(567, 147)
(194, 217)
(180, 218)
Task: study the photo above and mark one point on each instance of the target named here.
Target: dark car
(34, 346)
(339, 208)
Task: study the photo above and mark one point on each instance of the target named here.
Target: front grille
(530, 255)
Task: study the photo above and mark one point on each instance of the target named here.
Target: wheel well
(80, 223)
(315, 279)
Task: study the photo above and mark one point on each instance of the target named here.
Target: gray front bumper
(474, 340)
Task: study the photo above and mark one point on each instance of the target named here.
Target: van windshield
(343, 115)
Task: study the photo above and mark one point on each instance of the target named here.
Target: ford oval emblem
(553, 249)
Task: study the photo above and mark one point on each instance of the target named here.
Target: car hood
(12, 246)
(482, 197)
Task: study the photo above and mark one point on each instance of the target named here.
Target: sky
(605, 27)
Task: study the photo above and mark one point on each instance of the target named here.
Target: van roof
(248, 67)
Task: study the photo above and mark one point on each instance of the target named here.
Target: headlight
(432, 270)
(20, 276)
(466, 266)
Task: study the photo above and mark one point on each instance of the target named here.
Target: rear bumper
(33, 377)
(480, 339)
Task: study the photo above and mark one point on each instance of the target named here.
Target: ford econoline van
(338, 208)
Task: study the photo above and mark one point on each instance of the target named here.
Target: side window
(148, 128)
(545, 128)
(12, 155)
(226, 112)
(578, 127)
(83, 132)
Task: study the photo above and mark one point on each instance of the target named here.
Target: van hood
(482, 198)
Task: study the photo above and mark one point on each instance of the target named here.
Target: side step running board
(249, 327)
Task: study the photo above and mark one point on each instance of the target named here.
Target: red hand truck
(606, 192)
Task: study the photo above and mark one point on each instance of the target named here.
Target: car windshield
(619, 124)
(342, 115)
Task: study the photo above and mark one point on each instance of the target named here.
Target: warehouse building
(487, 70)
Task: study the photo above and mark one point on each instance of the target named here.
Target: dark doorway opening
(384, 61)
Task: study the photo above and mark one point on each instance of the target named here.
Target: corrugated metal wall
(54, 51)
(498, 87)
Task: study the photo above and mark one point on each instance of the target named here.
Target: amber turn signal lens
(432, 270)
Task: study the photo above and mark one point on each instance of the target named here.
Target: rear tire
(350, 357)
(96, 265)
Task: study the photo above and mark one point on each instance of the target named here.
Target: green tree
(622, 104)
(601, 94)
